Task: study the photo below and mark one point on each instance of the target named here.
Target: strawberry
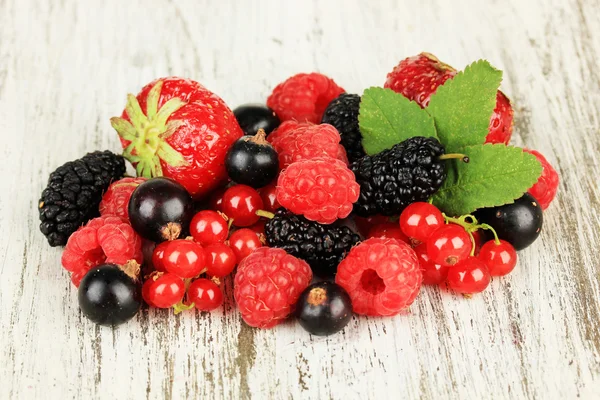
(178, 129)
(418, 77)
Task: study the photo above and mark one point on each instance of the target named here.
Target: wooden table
(65, 68)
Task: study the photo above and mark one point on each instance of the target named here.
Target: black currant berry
(160, 209)
(324, 308)
(252, 161)
(253, 117)
(519, 223)
(110, 296)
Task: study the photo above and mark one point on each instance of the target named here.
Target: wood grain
(65, 68)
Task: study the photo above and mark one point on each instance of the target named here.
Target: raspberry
(116, 199)
(321, 189)
(382, 276)
(267, 285)
(545, 188)
(103, 240)
(308, 141)
(303, 97)
(342, 113)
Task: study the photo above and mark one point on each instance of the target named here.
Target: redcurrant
(216, 200)
(259, 227)
(158, 255)
(387, 230)
(469, 276)
(243, 242)
(163, 290)
(221, 260)
(419, 220)
(449, 245)
(205, 294)
(269, 197)
(365, 224)
(209, 227)
(500, 258)
(433, 274)
(240, 203)
(184, 258)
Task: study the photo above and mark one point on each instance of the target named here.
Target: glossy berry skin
(433, 274)
(419, 220)
(546, 186)
(252, 161)
(389, 230)
(253, 117)
(469, 276)
(158, 255)
(269, 197)
(209, 227)
(240, 203)
(108, 296)
(205, 294)
(215, 202)
(163, 290)
(500, 258)
(160, 209)
(184, 258)
(243, 242)
(449, 245)
(324, 308)
(221, 260)
(519, 223)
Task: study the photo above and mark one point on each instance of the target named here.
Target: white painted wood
(65, 67)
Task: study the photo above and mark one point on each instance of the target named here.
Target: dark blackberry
(321, 246)
(342, 113)
(74, 192)
(408, 172)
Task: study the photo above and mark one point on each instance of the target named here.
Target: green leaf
(387, 118)
(462, 107)
(495, 175)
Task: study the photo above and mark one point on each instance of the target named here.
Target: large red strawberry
(418, 77)
(177, 128)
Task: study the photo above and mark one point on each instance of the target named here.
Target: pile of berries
(271, 196)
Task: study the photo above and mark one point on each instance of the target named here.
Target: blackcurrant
(324, 308)
(252, 161)
(519, 223)
(160, 209)
(109, 296)
(253, 117)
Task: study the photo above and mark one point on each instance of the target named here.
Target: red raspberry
(322, 189)
(382, 276)
(418, 77)
(308, 141)
(102, 240)
(116, 199)
(545, 188)
(267, 285)
(303, 97)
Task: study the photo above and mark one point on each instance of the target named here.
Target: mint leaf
(462, 106)
(495, 175)
(387, 118)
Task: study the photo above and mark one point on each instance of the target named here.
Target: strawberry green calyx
(148, 133)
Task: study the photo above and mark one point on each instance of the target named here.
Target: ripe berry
(419, 220)
(160, 209)
(546, 186)
(449, 245)
(243, 242)
(240, 204)
(252, 161)
(158, 256)
(221, 260)
(216, 200)
(116, 199)
(163, 290)
(389, 230)
(342, 113)
(259, 227)
(253, 117)
(469, 276)
(519, 223)
(269, 197)
(209, 227)
(364, 224)
(433, 274)
(184, 258)
(324, 308)
(110, 296)
(205, 294)
(500, 258)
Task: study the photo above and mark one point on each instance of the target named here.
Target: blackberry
(321, 246)
(74, 192)
(408, 172)
(342, 113)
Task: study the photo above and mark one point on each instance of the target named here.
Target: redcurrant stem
(472, 243)
(489, 228)
(266, 214)
(455, 156)
(179, 307)
(229, 223)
